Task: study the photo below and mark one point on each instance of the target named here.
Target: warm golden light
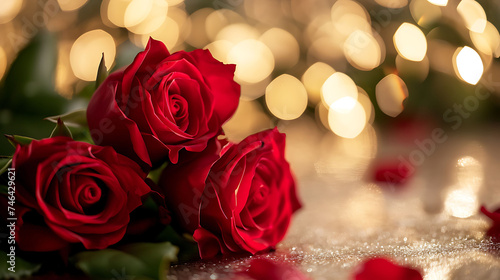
(392, 4)
(148, 18)
(362, 50)
(254, 61)
(441, 3)
(220, 49)
(219, 19)
(424, 13)
(116, 11)
(71, 5)
(9, 10)
(468, 65)
(283, 45)
(410, 42)
(462, 200)
(238, 32)
(314, 78)
(415, 70)
(461, 203)
(473, 15)
(198, 37)
(3, 62)
(337, 86)
(488, 42)
(86, 53)
(137, 11)
(347, 117)
(286, 97)
(390, 92)
(240, 125)
(367, 104)
(254, 91)
(167, 32)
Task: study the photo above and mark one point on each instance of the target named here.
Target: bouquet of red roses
(155, 180)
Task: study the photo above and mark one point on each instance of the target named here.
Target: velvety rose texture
(494, 231)
(384, 269)
(73, 192)
(163, 103)
(239, 201)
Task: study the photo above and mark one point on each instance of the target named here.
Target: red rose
(383, 269)
(241, 203)
(162, 104)
(73, 192)
(494, 231)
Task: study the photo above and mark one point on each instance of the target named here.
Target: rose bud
(73, 192)
(241, 201)
(163, 104)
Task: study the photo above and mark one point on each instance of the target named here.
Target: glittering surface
(431, 223)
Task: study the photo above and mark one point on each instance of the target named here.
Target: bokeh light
(487, 42)
(410, 42)
(314, 78)
(347, 117)
(468, 65)
(362, 50)
(240, 125)
(254, 61)
(237, 32)
(462, 199)
(390, 92)
(424, 13)
(283, 45)
(87, 51)
(198, 37)
(442, 3)
(9, 10)
(71, 5)
(3, 62)
(337, 86)
(473, 15)
(392, 4)
(151, 17)
(286, 97)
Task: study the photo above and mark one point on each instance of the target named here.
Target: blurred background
(346, 65)
(356, 71)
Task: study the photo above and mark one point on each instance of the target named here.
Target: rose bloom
(384, 269)
(239, 202)
(163, 103)
(494, 231)
(73, 192)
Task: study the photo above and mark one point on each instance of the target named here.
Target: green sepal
(136, 260)
(76, 118)
(15, 140)
(61, 130)
(102, 73)
(5, 164)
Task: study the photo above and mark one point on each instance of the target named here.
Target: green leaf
(4, 164)
(22, 267)
(61, 130)
(18, 140)
(29, 86)
(76, 118)
(146, 260)
(102, 73)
